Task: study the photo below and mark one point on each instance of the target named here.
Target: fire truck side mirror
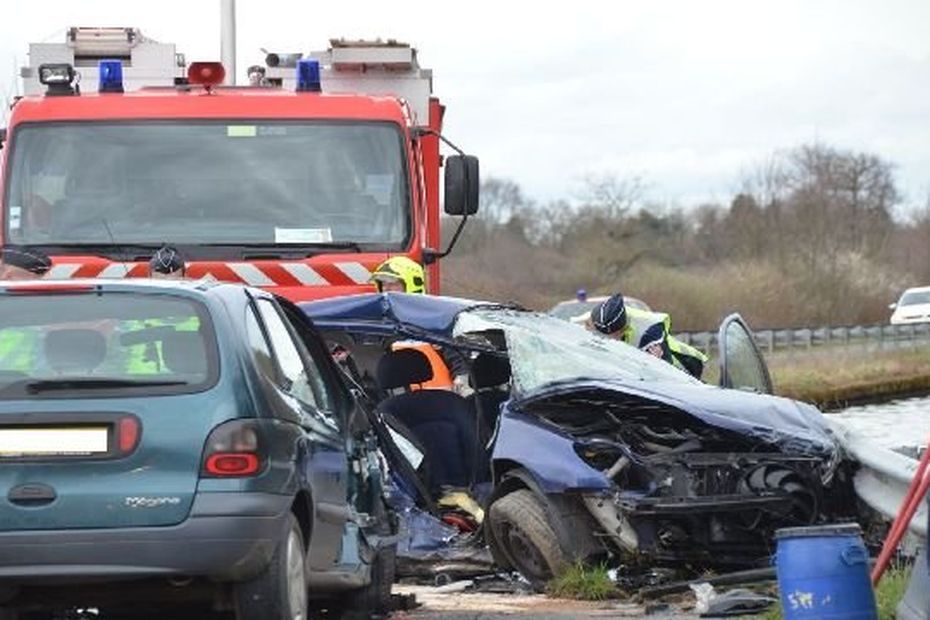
(462, 181)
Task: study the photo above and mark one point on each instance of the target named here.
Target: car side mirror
(462, 182)
(892, 306)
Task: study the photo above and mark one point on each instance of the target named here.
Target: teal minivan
(166, 443)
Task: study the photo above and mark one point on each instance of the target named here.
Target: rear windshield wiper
(90, 383)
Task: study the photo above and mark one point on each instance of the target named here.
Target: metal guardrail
(772, 340)
(882, 478)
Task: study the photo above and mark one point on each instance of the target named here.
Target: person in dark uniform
(17, 263)
(647, 331)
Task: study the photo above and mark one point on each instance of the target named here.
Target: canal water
(895, 424)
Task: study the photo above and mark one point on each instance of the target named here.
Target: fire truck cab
(301, 183)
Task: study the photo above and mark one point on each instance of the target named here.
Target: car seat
(440, 420)
(489, 373)
(489, 376)
(74, 351)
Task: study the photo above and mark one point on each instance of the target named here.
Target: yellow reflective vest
(645, 328)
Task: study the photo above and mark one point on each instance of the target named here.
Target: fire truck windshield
(195, 182)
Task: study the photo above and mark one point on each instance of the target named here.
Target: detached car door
(741, 364)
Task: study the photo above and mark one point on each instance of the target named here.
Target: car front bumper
(226, 537)
(680, 529)
(910, 320)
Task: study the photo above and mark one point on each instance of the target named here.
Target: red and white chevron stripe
(253, 273)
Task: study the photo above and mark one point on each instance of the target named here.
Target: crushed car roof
(384, 312)
(773, 419)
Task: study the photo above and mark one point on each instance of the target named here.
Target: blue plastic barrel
(823, 573)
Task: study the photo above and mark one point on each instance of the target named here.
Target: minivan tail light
(233, 449)
(232, 464)
(128, 430)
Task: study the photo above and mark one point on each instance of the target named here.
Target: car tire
(521, 529)
(280, 592)
(374, 600)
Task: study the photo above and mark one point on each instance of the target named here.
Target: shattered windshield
(544, 349)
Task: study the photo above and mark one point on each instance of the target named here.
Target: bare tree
(612, 196)
(747, 235)
(500, 199)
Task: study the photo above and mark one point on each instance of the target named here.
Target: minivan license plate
(54, 441)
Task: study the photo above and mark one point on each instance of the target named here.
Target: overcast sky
(685, 94)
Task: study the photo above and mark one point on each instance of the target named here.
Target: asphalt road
(486, 606)
(484, 615)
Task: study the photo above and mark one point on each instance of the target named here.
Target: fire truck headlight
(111, 76)
(53, 74)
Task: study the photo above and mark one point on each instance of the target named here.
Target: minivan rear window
(101, 344)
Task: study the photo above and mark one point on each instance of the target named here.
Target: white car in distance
(578, 311)
(912, 307)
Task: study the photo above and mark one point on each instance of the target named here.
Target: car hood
(792, 426)
(912, 310)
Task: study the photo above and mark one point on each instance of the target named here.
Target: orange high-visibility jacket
(442, 378)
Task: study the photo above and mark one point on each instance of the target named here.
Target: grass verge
(890, 591)
(831, 379)
(586, 583)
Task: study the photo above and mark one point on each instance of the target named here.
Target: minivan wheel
(280, 592)
(523, 535)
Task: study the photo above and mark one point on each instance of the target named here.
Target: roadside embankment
(833, 379)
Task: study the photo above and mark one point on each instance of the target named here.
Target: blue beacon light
(308, 76)
(111, 76)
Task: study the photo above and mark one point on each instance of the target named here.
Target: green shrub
(586, 583)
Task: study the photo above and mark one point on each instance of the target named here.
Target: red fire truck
(301, 183)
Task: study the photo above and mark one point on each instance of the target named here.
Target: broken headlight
(600, 454)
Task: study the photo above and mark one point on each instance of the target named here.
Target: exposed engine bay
(685, 490)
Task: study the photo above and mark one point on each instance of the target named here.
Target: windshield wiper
(354, 246)
(90, 383)
(120, 251)
(276, 250)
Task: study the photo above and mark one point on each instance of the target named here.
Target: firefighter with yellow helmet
(399, 274)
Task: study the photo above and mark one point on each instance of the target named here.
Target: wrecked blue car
(577, 446)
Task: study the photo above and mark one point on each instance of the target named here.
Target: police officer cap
(166, 260)
(29, 259)
(610, 316)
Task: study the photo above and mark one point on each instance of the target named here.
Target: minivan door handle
(32, 494)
